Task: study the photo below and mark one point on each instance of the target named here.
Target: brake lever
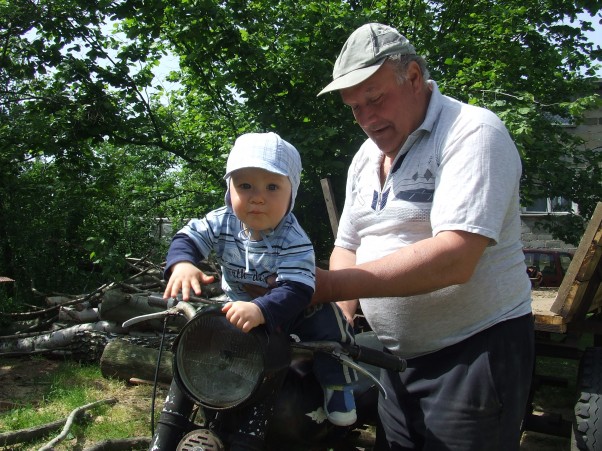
(340, 353)
(346, 360)
(150, 316)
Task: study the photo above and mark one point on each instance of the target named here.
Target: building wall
(533, 236)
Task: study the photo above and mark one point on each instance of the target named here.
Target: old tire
(587, 427)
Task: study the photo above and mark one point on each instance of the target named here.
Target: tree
(83, 153)
(79, 102)
(525, 62)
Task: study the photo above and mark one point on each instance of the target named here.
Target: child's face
(259, 198)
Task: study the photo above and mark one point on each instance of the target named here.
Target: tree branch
(70, 419)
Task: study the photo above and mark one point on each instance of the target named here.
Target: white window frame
(549, 207)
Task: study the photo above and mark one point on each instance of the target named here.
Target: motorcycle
(219, 370)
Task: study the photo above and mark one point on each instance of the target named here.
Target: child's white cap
(265, 151)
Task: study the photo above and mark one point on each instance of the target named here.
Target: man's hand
(256, 291)
(184, 276)
(244, 315)
(349, 308)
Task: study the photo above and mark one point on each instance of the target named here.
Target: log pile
(80, 327)
(89, 328)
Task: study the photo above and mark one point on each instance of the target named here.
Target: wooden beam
(576, 292)
(331, 206)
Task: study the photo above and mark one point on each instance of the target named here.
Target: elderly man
(429, 243)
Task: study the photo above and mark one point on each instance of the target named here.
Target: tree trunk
(84, 342)
(124, 360)
(70, 314)
(59, 300)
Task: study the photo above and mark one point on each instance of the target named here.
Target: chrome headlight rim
(233, 368)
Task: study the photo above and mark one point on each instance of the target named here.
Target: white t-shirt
(459, 170)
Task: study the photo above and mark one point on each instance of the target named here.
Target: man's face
(259, 198)
(387, 111)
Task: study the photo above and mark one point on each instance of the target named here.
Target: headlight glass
(217, 364)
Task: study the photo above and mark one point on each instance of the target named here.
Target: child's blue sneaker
(339, 405)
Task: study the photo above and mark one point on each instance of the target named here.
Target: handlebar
(359, 353)
(156, 300)
(375, 357)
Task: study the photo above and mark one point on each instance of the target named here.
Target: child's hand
(244, 315)
(184, 276)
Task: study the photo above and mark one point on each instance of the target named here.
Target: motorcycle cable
(156, 377)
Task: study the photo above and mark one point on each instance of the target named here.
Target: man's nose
(365, 115)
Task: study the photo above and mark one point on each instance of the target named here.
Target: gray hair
(401, 62)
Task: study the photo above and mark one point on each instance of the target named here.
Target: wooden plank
(546, 324)
(331, 206)
(584, 265)
(549, 322)
(597, 304)
(545, 320)
(590, 260)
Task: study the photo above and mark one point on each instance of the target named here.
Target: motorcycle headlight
(220, 367)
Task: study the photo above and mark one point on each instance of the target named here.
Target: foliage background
(93, 148)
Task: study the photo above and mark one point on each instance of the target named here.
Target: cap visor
(259, 164)
(351, 79)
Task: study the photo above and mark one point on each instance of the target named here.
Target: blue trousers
(468, 397)
(325, 322)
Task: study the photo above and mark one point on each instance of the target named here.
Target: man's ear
(414, 74)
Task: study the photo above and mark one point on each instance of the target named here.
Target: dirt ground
(20, 378)
(25, 378)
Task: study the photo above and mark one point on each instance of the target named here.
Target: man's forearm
(428, 265)
(340, 258)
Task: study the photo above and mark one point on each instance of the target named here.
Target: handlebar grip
(377, 358)
(156, 300)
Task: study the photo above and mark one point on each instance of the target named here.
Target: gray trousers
(470, 396)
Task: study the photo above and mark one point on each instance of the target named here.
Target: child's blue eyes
(246, 186)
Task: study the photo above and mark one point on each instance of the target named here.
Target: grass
(71, 385)
(563, 371)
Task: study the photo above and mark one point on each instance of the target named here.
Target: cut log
(123, 360)
(59, 300)
(83, 342)
(74, 315)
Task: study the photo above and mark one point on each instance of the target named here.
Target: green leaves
(92, 146)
